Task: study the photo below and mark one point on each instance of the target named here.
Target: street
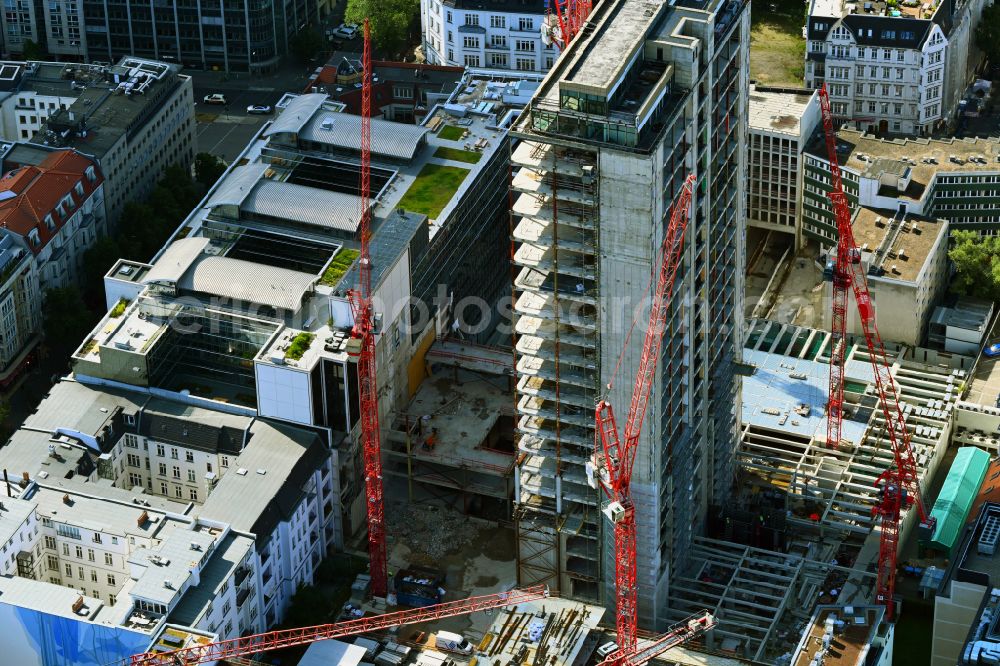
(225, 130)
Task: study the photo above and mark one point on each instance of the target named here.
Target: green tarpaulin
(957, 496)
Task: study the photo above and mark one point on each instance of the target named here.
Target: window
(472, 19)
(399, 92)
(109, 559)
(50, 543)
(131, 441)
(191, 476)
(472, 61)
(224, 461)
(114, 541)
(79, 188)
(134, 479)
(450, 39)
(173, 453)
(79, 552)
(193, 494)
(163, 488)
(90, 554)
(52, 562)
(470, 42)
(69, 570)
(162, 469)
(80, 571)
(160, 450)
(525, 23)
(208, 467)
(498, 41)
(498, 21)
(112, 600)
(448, 17)
(66, 549)
(897, 109)
(189, 456)
(133, 460)
(177, 472)
(899, 73)
(525, 64)
(111, 579)
(93, 576)
(525, 45)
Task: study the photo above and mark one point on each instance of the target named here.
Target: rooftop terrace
(842, 635)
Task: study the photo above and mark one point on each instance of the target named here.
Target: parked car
(346, 31)
(992, 351)
(259, 109)
(215, 98)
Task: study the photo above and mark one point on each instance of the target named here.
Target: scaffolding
(554, 241)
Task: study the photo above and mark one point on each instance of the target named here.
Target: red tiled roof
(36, 190)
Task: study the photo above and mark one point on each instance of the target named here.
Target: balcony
(241, 575)
(243, 595)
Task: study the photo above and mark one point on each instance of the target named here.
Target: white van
(446, 640)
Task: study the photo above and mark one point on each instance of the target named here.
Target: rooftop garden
(119, 308)
(451, 133)
(299, 346)
(457, 155)
(433, 189)
(338, 267)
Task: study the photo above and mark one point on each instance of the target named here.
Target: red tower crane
(245, 646)
(275, 640)
(564, 20)
(363, 335)
(616, 455)
(899, 487)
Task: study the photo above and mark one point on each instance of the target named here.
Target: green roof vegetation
(457, 155)
(119, 308)
(299, 346)
(451, 133)
(338, 267)
(433, 189)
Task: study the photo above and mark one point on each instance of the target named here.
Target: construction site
(635, 475)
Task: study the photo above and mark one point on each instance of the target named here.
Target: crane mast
(569, 17)
(364, 332)
(899, 488)
(616, 455)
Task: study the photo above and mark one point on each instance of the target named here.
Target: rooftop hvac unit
(988, 539)
(901, 253)
(895, 269)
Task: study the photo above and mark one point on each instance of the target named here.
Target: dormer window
(68, 201)
(33, 238)
(79, 188)
(49, 222)
(91, 174)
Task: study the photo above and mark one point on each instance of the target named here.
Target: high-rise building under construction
(648, 93)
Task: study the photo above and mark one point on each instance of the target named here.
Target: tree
(66, 316)
(987, 33)
(208, 168)
(306, 44)
(389, 19)
(32, 50)
(977, 264)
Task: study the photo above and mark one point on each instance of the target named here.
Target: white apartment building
(227, 567)
(781, 122)
(143, 126)
(20, 308)
(895, 70)
(488, 35)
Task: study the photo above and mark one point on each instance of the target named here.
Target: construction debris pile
(429, 531)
